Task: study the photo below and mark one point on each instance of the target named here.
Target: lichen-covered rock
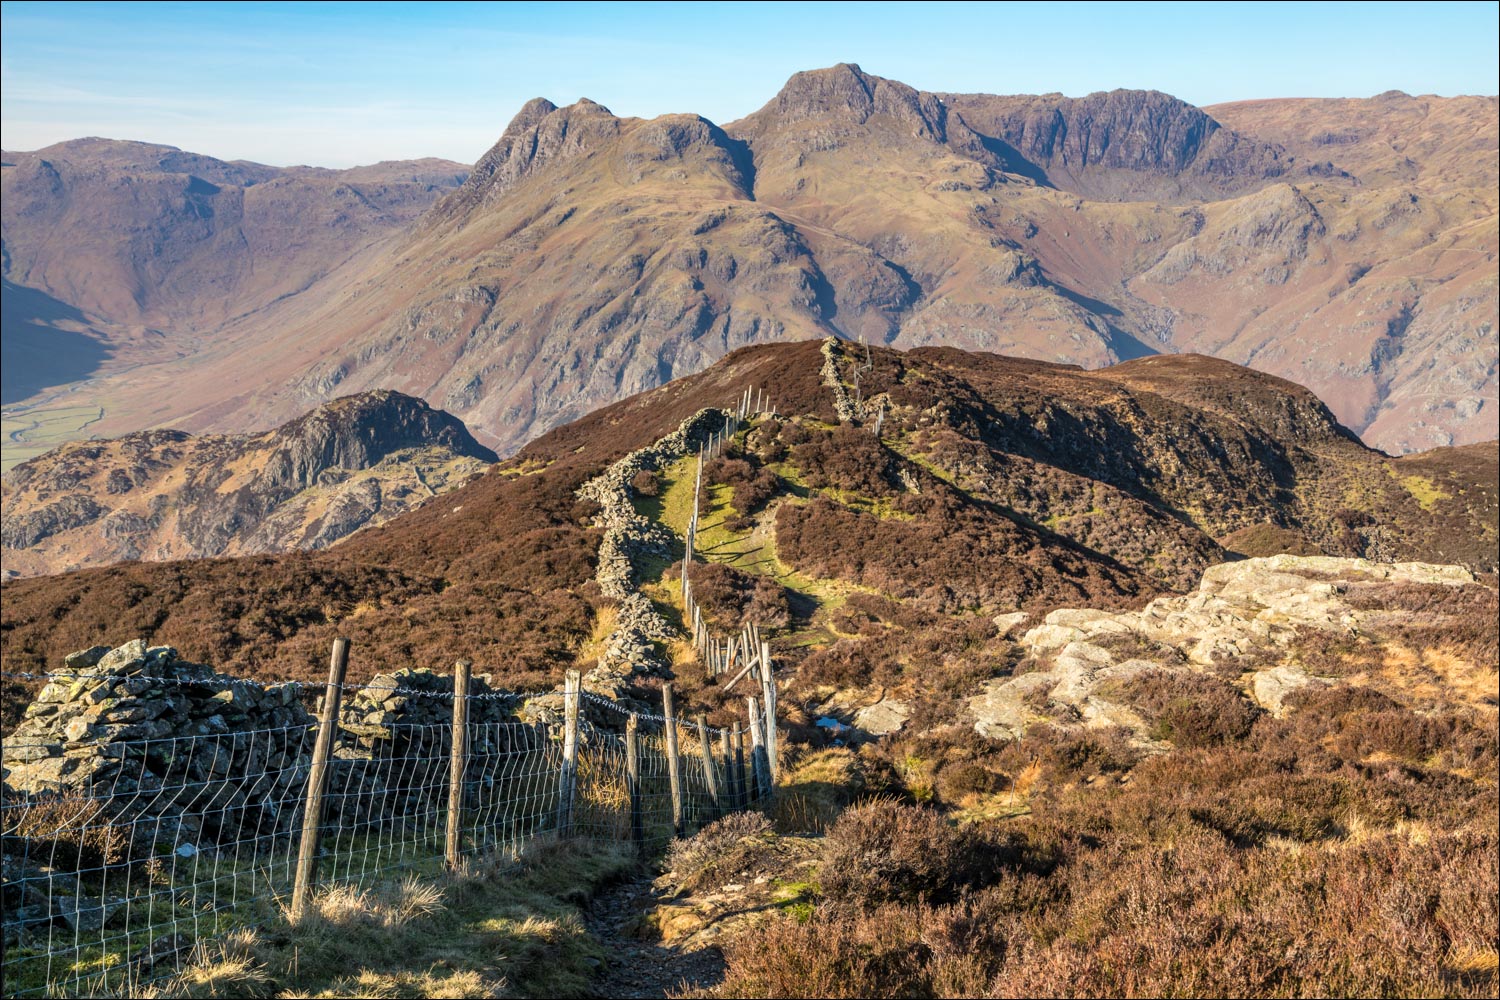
(1242, 612)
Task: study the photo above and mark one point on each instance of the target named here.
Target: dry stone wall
(628, 539)
(842, 404)
(177, 754)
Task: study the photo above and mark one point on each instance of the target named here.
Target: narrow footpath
(636, 967)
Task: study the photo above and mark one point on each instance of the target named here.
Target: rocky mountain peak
(847, 93)
(356, 432)
(540, 134)
(530, 115)
(157, 494)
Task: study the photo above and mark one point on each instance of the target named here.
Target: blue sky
(339, 84)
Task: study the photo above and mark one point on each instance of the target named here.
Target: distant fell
(163, 494)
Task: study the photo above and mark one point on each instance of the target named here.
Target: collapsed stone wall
(629, 537)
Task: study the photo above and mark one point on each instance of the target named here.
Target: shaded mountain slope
(994, 484)
(153, 247)
(165, 494)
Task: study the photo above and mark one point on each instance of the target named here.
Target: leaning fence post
(458, 760)
(673, 765)
(710, 773)
(633, 781)
(317, 779)
(569, 776)
(758, 751)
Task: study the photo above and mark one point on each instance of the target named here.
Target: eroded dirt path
(619, 918)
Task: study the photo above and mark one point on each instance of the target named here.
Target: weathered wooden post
(674, 768)
(633, 781)
(731, 796)
(567, 785)
(458, 762)
(758, 763)
(768, 697)
(710, 773)
(741, 786)
(317, 780)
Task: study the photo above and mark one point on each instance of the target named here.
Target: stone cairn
(630, 648)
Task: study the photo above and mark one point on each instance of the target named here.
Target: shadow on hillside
(35, 355)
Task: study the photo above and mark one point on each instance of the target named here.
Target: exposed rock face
(1241, 615)
(159, 494)
(1121, 145)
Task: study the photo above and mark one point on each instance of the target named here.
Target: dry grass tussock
(479, 932)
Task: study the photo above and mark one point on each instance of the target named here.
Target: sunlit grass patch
(480, 932)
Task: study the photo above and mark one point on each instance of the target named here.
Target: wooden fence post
(569, 777)
(758, 750)
(458, 762)
(730, 793)
(768, 696)
(633, 782)
(710, 773)
(674, 772)
(741, 786)
(317, 780)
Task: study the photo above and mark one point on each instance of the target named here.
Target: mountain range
(1348, 246)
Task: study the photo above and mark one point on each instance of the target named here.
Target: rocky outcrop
(1121, 144)
(357, 432)
(1243, 614)
(355, 461)
(630, 648)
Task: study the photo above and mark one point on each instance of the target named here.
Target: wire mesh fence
(146, 847)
